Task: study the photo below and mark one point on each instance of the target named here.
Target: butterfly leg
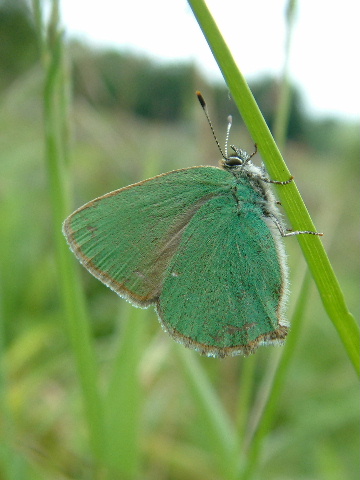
(290, 233)
(277, 182)
(255, 151)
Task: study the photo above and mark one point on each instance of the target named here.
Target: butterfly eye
(233, 161)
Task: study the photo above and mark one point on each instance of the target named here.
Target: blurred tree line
(18, 42)
(110, 79)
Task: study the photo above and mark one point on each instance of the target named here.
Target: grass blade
(124, 399)
(268, 414)
(72, 296)
(313, 250)
(221, 434)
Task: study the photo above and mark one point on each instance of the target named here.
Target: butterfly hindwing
(222, 293)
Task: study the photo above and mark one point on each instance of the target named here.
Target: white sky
(325, 49)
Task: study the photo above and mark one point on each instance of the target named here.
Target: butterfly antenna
(203, 106)
(227, 136)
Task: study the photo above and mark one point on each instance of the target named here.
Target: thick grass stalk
(72, 296)
(313, 250)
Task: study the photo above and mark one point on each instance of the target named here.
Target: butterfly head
(239, 158)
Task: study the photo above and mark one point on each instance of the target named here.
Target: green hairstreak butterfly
(201, 244)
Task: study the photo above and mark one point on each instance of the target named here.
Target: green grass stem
(268, 414)
(284, 101)
(124, 399)
(211, 414)
(72, 295)
(313, 250)
(274, 379)
(245, 394)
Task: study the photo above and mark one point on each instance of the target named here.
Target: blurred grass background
(131, 119)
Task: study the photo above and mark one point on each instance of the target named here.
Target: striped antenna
(204, 107)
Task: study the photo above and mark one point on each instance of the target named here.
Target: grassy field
(147, 408)
(92, 388)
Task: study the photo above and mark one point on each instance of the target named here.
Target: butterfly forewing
(127, 238)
